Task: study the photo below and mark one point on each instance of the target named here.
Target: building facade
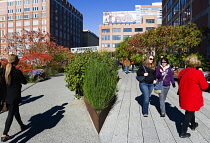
(180, 12)
(121, 24)
(89, 39)
(57, 17)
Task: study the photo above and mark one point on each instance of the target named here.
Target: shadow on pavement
(173, 113)
(28, 99)
(40, 122)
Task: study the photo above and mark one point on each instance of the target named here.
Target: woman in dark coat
(146, 86)
(14, 78)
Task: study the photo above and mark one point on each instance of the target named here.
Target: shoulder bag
(141, 78)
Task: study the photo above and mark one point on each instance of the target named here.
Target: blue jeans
(146, 90)
(126, 69)
(132, 68)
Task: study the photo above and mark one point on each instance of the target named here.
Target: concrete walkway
(54, 116)
(126, 124)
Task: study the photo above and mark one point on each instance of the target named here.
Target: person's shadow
(40, 122)
(28, 99)
(173, 113)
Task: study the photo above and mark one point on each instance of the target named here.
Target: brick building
(180, 12)
(58, 17)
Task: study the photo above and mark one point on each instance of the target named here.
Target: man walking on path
(127, 64)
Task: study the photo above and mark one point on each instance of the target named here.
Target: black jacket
(151, 74)
(14, 89)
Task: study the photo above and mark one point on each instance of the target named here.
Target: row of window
(107, 45)
(184, 16)
(26, 16)
(181, 2)
(36, 8)
(25, 2)
(125, 30)
(26, 23)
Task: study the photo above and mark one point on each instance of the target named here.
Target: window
(26, 16)
(182, 2)
(175, 23)
(18, 16)
(105, 30)
(43, 1)
(43, 21)
(18, 10)
(35, 22)
(107, 37)
(18, 2)
(26, 23)
(138, 29)
(150, 21)
(125, 36)
(10, 17)
(2, 18)
(105, 45)
(114, 45)
(26, 1)
(35, 28)
(188, 12)
(10, 10)
(10, 32)
(35, 15)
(169, 4)
(43, 7)
(148, 28)
(127, 29)
(35, 8)
(116, 30)
(10, 3)
(116, 37)
(175, 9)
(43, 14)
(169, 16)
(35, 1)
(18, 23)
(26, 9)
(10, 24)
(2, 25)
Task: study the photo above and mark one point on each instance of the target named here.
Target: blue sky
(92, 10)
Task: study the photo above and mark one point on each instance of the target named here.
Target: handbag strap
(144, 69)
(184, 73)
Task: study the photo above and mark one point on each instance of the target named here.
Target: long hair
(12, 61)
(150, 65)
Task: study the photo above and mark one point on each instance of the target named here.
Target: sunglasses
(164, 62)
(151, 59)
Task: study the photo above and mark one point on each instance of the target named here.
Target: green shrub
(75, 70)
(100, 83)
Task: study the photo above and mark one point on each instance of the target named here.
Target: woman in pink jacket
(191, 84)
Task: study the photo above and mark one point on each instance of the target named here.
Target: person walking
(191, 84)
(14, 78)
(127, 64)
(146, 86)
(2, 88)
(132, 66)
(164, 74)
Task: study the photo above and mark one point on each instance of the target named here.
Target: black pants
(188, 118)
(13, 111)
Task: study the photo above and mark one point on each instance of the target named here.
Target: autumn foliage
(43, 52)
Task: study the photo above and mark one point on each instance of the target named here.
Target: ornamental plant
(100, 83)
(75, 70)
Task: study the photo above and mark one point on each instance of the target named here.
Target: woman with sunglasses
(164, 74)
(146, 86)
